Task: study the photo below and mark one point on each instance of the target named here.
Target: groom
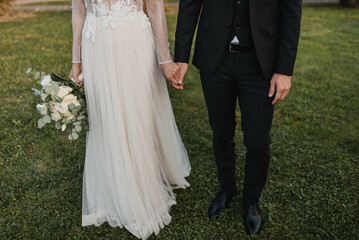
(245, 50)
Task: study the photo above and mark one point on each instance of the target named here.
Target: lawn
(313, 187)
(63, 2)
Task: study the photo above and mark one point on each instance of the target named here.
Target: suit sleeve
(289, 29)
(189, 11)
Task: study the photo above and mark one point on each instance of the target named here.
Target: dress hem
(99, 218)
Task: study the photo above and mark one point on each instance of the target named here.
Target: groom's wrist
(181, 58)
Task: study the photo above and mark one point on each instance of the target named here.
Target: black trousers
(239, 76)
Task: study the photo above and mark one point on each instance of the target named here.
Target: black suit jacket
(275, 28)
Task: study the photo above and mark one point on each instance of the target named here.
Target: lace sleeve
(156, 13)
(78, 19)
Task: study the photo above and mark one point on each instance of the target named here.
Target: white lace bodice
(108, 10)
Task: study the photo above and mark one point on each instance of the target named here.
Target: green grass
(312, 191)
(65, 2)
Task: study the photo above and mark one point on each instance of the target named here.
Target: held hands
(184, 68)
(171, 72)
(281, 83)
(174, 73)
(75, 73)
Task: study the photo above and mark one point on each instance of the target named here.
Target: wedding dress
(134, 153)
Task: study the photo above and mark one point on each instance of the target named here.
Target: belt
(236, 48)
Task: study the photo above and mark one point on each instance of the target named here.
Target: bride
(134, 153)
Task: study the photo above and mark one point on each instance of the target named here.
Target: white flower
(60, 107)
(63, 127)
(46, 81)
(52, 105)
(63, 91)
(42, 108)
(68, 99)
(68, 115)
(64, 110)
(56, 116)
(43, 96)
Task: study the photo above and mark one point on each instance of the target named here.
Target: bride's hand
(75, 73)
(172, 73)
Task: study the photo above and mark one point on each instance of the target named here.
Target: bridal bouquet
(62, 103)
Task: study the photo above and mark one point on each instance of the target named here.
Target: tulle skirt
(134, 153)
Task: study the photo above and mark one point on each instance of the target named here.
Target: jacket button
(227, 25)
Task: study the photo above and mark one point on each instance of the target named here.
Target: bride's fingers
(178, 78)
(176, 73)
(78, 82)
(174, 79)
(178, 86)
(175, 85)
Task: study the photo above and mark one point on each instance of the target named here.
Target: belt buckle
(233, 51)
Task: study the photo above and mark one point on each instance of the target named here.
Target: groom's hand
(184, 68)
(171, 72)
(281, 84)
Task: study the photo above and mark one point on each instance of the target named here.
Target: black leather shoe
(252, 218)
(219, 203)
